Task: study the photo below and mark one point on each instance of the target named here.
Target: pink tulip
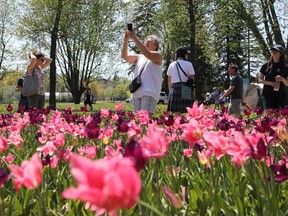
(104, 183)
(111, 152)
(9, 158)
(154, 143)
(192, 132)
(90, 151)
(115, 117)
(196, 112)
(134, 129)
(3, 144)
(64, 154)
(105, 113)
(81, 150)
(143, 117)
(29, 174)
(15, 138)
(119, 107)
(59, 139)
(48, 149)
(188, 152)
(217, 143)
(174, 199)
(204, 158)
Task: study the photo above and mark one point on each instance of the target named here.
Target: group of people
(38, 62)
(273, 75)
(179, 73)
(213, 98)
(150, 62)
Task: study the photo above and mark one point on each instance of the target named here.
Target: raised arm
(46, 63)
(132, 59)
(152, 55)
(32, 62)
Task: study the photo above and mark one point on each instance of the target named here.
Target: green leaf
(17, 205)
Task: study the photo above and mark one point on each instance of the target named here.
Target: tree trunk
(54, 35)
(275, 25)
(192, 27)
(250, 21)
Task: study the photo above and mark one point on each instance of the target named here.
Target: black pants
(274, 100)
(88, 101)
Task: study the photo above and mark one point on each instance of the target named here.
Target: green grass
(97, 106)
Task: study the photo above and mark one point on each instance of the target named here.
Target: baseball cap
(278, 47)
(232, 65)
(182, 51)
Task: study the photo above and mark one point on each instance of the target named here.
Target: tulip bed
(116, 162)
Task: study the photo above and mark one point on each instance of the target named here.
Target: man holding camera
(149, 61)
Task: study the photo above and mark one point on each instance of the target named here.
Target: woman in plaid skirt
(186, 71)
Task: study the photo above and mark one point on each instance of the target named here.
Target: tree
(254, 20)
(40, 22)
(84, 39)
(185, 25)
(229, 34)
(7, 9)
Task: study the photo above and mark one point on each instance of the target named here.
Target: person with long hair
(149, 61)
(273, 75)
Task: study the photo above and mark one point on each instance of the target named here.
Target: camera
(129, 27)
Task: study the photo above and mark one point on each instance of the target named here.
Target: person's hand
(278, 78)
(130, 34)
(220, 100)
(31, 53)
(275, 85)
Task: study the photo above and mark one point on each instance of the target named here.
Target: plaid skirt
(175, 103)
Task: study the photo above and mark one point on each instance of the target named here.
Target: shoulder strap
(143, 67)
(179, 74)
(181, 69)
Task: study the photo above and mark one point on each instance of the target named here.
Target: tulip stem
(2, 210)
(152, 208)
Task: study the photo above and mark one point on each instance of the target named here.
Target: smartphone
(129, 27)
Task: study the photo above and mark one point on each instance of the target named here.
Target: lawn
(97, 106)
